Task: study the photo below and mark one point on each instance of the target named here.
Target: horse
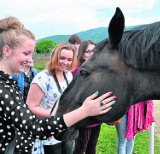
(126, 63)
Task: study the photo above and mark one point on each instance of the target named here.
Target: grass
(107, 142)
(40, 62)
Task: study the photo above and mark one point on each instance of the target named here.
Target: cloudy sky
(56, 17)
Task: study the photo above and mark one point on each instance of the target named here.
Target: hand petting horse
(127, 63)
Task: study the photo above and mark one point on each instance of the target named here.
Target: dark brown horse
(127, 63)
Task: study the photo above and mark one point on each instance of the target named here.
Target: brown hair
(53, 62)
(82, 48)
(10, 31)
(74, 39)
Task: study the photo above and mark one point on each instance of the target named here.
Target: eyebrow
(66, 57)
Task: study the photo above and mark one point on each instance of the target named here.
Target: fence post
(151, 139)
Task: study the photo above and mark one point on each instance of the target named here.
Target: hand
(90, 107)
(98, 106)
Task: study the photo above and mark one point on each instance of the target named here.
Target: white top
(51, 94)
(47, 83)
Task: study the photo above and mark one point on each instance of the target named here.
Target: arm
(53, 125)
(90, 107)
(34, 97)
(25, 121)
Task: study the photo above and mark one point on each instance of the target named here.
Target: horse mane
(140, 47)
(101, 44)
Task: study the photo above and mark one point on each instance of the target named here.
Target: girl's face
(21, 55)
(75, 47)
(88, 52)
(30, 63)
(65, 61)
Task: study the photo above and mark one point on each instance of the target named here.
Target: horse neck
(146, 86)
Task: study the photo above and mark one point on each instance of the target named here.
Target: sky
(66, 17)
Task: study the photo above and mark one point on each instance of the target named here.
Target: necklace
(28, 74)
(57, 83)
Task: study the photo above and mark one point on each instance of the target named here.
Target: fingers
(93, 96)
(105, 98)
(99, 105)
(109, 99)
(106, 104)
(101, 97)
(105, 111)
(107, 107)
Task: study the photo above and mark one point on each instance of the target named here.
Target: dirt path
(157, 117)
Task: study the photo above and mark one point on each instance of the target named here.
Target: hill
(96, 35)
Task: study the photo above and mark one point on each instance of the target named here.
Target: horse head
(127, 63)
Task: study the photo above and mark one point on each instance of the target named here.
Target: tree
(45, 46)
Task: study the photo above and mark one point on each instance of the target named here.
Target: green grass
(108, 137)
(40, 63)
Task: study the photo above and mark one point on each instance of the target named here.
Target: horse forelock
(140, 47)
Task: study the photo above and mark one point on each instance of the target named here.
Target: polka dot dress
(16, 117)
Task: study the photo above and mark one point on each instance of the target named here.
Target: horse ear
(116, 28)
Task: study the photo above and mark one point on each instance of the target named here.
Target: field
(107, 138)
(107, 142)
(40, 61)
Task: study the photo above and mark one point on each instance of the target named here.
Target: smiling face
(65, 59)
(75, 47)
(20, 55)
(30, 63)
(89, 51)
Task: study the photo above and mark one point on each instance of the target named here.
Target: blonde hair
(53, 62)
(10, 31)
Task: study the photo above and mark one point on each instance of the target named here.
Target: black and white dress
(15, 116)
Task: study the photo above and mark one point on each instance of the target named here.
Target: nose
(65, 62)
(30, 60)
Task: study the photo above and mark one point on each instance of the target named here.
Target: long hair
(74, 39)
(82, 48)
(53, 62)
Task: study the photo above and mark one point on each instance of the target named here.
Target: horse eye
(84, 73)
